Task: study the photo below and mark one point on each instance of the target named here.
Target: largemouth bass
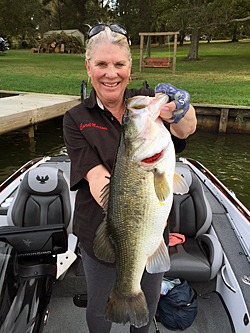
(137, 204)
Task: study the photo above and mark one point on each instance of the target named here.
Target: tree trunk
(234, 38)
(161, 38)
(181, 38)
(209, 38)
(149, 47)
(194, 46)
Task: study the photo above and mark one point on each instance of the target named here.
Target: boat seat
(42, 199)
(200, 257)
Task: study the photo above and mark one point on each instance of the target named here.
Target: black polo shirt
(91, 135)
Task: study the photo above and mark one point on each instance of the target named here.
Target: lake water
(227, 157)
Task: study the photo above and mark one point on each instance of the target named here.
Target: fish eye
(125, 119)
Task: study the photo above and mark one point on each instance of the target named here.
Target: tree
(239, 18)
(77, 14)
(135, 15)
(21, 18)
(198, 16)
(28, 17)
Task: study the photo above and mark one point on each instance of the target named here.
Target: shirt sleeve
(179, 144)
(83, 157)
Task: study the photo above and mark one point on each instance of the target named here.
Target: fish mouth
(152, 159)
(110, 84)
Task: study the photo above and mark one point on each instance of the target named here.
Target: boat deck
(65, 316)
(212, 315)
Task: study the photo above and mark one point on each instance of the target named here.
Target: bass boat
(42, 283)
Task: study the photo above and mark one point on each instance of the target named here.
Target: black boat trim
(220, 187)
(18, 173)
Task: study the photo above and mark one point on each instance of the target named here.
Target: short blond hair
(107, 35)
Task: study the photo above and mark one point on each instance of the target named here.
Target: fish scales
(129, 204)
(140, 199)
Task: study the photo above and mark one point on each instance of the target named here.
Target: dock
(223, 118)
(23, 110)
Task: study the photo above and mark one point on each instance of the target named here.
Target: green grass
(22, 70)
(221, 76)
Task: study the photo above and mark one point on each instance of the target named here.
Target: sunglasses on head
(112, 26)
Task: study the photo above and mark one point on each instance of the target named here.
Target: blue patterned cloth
(180, 97)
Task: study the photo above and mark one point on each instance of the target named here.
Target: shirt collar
(93, 99)
(90, 102)
(99, 103)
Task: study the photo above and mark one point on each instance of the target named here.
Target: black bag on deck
(178, 307)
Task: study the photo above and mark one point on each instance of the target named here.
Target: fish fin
(121, 309)
(105, 196)
(159, 261)
(103, 247)
(180, 186)
(162, 189)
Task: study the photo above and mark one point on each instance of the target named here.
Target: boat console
(36, 240)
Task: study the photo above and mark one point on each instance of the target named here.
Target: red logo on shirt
(82, 126)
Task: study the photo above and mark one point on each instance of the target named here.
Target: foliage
(20, 17)
(71, 43)
(222, 76)
(29, 19)
(135, 15)
(77, 14)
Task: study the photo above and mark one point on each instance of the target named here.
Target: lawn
(221, 76)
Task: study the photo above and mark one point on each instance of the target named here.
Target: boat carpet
(65, 316)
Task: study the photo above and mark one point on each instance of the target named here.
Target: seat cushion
(41, 199)
(187, 261)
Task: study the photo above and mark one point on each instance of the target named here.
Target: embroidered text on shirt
(82, 126)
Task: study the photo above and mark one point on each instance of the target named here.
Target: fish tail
(121, 309)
